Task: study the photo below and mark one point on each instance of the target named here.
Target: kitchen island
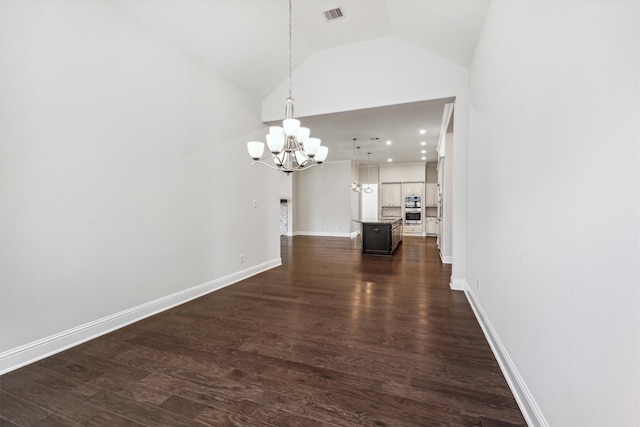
(381, 236)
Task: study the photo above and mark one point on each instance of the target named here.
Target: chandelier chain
(290, 45)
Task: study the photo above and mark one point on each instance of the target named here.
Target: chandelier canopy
(290, 146)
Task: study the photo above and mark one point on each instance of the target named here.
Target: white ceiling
(246, 42)
(373, 127)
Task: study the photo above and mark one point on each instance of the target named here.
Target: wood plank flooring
(330, 338)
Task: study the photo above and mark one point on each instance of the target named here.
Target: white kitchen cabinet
(413, 188)
(391, 194)
(413, 229)
(431, 225)
(431, 196)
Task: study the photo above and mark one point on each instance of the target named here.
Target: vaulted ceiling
(246, 41)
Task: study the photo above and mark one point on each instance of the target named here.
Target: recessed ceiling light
(422, 131)
(389, 142)
(423, 151)
(423, 143)
(389, 160)
(423, 158)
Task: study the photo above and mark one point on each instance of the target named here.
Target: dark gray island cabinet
(381, 236)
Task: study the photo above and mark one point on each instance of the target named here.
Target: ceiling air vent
(333, 14)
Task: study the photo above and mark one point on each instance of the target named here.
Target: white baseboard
(459, 285)
(528, 406)
(323, 234)
(446, 259)
(37, 350)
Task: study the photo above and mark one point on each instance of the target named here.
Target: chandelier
(290, 147)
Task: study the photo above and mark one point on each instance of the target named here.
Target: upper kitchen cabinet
(391, 194)
(431, 196)
(413, 188)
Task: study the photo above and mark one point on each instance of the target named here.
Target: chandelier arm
(297, 145)
(277, 168)
(306, 165)
(291, 144)
(312, 164)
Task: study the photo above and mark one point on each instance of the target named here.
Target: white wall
(404, 172)
(432, 172)
(355, 209)
(286, 186)
(369, 203)
(123, 176)
(369, 178)
(369, 174)
(446, 237)
(324, 200)
(286, 192)
(379, 72)
(554, 212)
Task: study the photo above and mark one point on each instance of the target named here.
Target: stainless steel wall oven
(412, 216)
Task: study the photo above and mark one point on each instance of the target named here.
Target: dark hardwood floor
(329, 338)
